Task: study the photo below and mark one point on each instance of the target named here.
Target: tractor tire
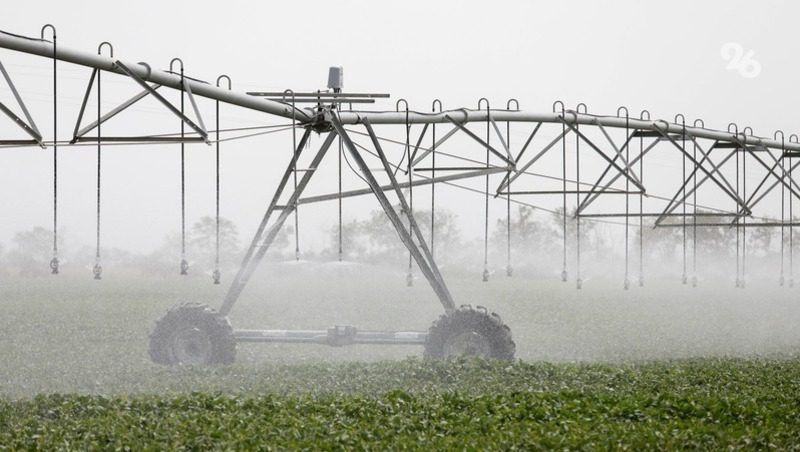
(469, 331)
(192, 334)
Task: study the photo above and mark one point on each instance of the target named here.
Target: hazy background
(665, 58)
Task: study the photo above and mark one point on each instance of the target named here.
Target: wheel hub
(191, 346)
(468, 343)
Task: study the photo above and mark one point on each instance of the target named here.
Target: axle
(338, 335)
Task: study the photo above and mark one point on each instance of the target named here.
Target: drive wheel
(469, 331)
(193, 334)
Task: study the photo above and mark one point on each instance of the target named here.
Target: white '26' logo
(740, 61)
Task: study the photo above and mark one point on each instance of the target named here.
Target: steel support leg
(259, 246)
(421, 253)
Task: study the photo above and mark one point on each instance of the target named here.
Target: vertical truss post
(697, 122)
(578, 279)
(294, 176)
(485, 274)
(339, 199)
(644, 115)
(782, 279)
(54, 262)
(216, 275)
(738, 282)
(509, 269)
(684, 277)
(410, 172)
(626, 284)
(563, 190)
(433, 177)
(745, 151)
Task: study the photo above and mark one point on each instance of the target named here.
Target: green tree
(203, 241)
(33, 250)
(375, 238)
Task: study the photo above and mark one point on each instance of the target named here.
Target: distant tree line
(537, 243)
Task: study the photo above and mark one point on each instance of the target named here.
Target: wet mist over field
(72, 334)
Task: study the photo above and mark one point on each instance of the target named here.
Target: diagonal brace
(479, 140)
(165, 102)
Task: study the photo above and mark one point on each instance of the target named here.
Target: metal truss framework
(713, 162)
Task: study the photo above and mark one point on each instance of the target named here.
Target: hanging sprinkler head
(216, 276)
(184, 267)
(54, 266)
(97, 270)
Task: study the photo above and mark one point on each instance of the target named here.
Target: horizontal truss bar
(288, 95)
(145, 139)
(43, 48)
(334, 336)
(568, 192)
(416, 183)
(337, 100)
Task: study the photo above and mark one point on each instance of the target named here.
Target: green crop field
(666, 366)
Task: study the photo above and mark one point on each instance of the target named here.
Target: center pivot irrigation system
(713, 169)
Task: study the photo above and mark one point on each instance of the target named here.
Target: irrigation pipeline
(571, 121)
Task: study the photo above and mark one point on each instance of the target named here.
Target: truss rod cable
(341, 151)
(485, 275)
(184, 264)
(781, 281)
(294, 177)
(54, 262)
(626, 282)
(543, 176)
(216, 275)
(564, 189)
(641, 202)
(474, 190)
(433, 176)
(738, 224)
(792, 139)
(410, 171)
(744, 217)
(442, 153)
(578, 279)
(509, 268)
(694, 211)
(232, 129)
(684, 278)
(528, 173)
(97, 270)
(86, 144)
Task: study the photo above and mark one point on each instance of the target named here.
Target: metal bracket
(199, 129)
(78, 134)
(480, 141)
(29, 127)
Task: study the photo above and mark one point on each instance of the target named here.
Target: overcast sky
(665, 57)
